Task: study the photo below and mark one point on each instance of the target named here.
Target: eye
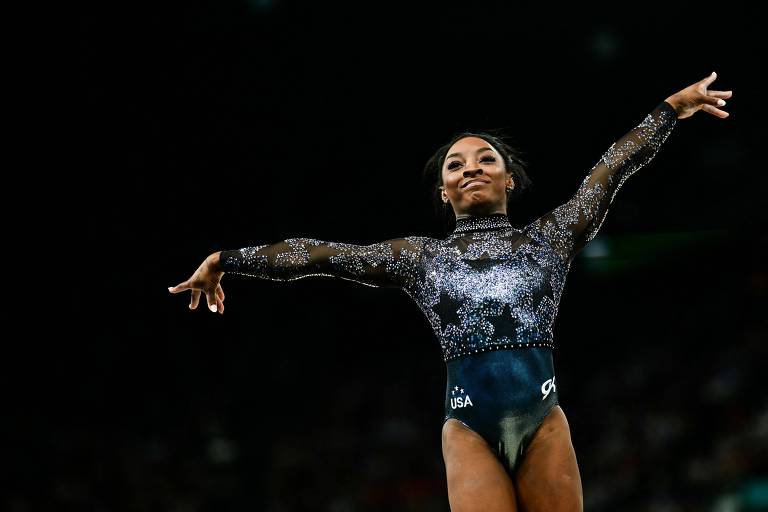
(455, 164)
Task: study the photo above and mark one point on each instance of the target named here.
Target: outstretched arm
(385, 264)
(570, 226)
(392, 263)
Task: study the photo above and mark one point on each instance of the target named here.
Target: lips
(472, 181)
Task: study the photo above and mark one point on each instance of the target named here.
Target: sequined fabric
(487, 285)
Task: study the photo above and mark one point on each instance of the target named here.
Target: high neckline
(482, 223)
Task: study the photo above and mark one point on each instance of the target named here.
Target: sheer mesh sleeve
(570, 226)
(392, 263)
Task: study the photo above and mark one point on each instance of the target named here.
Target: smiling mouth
(472, 182)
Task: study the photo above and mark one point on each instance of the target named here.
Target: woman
(490, 292)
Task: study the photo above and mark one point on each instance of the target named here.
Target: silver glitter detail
(478, 223)
(487, 285)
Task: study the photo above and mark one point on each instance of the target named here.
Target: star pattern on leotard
(500, 320)
(447, 310)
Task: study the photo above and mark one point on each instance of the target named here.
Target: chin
(478, 204)
(478, 197)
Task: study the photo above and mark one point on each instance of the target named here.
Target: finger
(220, 293)
(195, 299)
(720, 94)
(179, 287)
(713, 100)
(211, 297)
(711, 78)
(714, 111)
(220, 305)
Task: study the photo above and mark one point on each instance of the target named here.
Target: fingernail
(721, 102)
(170, 288)
(213, 307)
(714, 74)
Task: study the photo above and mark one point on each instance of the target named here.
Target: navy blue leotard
(489, 290)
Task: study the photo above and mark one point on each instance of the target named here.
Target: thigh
(548, 477)
(476, 479)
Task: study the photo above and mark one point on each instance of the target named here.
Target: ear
(443, 195)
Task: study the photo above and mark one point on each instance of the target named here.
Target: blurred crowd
(683, 432)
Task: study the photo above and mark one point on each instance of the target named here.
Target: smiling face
(475, 178)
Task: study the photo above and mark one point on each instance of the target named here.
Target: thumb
(711, 78)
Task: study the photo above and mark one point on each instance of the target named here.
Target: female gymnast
(491, 292)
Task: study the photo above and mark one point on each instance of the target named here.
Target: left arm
(570, 226)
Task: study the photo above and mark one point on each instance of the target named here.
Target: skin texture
(547, 480)
(472, 158)
(548, 477)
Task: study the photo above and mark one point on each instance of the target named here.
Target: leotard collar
(482, 223)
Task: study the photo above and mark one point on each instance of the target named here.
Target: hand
(696, 97)
(207, 279)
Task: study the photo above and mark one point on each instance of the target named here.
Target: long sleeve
(570, 226)
(392, 263)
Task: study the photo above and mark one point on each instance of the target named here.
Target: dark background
(200, 127)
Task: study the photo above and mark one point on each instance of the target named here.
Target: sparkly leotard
(489, 290)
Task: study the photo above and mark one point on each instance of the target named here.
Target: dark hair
(513, 163)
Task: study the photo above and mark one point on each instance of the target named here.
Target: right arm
(392, 263)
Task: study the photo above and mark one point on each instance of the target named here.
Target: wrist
(675, 105)
(214, 260)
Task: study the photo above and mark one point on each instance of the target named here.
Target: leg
(476, 479)
(548, 478)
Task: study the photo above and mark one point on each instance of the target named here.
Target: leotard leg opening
(504, 396)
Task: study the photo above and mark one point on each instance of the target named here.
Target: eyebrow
(476, 152)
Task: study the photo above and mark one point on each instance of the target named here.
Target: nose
(472, 172)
